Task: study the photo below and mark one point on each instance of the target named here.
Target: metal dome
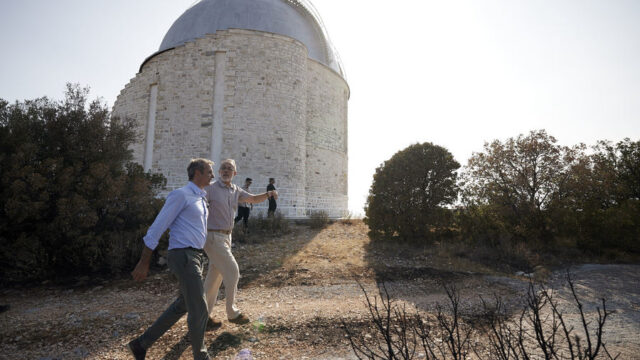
(297, 19)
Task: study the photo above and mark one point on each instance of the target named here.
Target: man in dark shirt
(272, 199)
(244, 208)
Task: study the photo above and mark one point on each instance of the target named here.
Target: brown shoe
(213, 324)
(240, 319)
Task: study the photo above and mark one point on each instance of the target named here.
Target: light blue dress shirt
(185, 214)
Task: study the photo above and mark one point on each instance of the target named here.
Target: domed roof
(292, 18)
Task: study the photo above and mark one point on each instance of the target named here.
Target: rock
(101, 313)
(81, 352)
(132, 316)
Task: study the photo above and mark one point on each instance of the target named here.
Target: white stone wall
(327, 180)
(274, 101)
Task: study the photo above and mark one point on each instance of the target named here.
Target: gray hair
(197, 164)
(229, 161)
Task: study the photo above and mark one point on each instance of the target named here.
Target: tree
(601, 200)
(72, 202)
(519, 179)
(624, 159)
(409, 192)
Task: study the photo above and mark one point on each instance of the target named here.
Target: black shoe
(138, 352)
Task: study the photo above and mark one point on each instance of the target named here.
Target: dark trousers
(272, 207)
(243, 213)
(187, 265)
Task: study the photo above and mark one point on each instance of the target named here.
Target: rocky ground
(299, 289)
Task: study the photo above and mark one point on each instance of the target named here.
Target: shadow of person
(178, 348)
(224, 341)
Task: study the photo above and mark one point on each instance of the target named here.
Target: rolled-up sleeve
(243, 194)
(172, 207)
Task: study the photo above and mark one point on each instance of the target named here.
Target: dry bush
(261, 227)
(347, 219)
(319, 219)
(540, 331)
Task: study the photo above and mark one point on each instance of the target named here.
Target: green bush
(409, 192)
(613, 228)
(72, 202)
(530, 189)
(517, 181)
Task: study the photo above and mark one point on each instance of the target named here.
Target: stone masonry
(252, 96)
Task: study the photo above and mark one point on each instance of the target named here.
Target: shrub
(318, 219)
(73, 203)
(261, 226)
(409, 192)
(347, 219)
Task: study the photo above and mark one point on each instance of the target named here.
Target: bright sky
(455, 73)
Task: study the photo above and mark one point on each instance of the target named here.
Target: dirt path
(298, 289)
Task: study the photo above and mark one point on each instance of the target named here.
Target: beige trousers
(222, 267)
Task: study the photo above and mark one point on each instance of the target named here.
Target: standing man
(223, 197)
(244, 208)
(185, 213)
(272, 200)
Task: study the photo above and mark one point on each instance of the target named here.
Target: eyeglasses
(230, 168)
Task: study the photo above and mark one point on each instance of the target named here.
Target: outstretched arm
(254, 199)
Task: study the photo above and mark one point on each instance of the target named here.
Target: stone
(259, 99)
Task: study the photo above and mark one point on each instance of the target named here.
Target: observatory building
(254, 80)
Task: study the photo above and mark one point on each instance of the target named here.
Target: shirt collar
(196, 190)
(223, 185)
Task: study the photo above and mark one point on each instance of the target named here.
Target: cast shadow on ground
(261, 262)
(221, 343)
(418, 273)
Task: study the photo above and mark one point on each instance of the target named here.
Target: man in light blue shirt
(185, 215)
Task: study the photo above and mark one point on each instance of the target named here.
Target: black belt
(190, 248)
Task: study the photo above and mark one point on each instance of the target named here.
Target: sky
(457, 73)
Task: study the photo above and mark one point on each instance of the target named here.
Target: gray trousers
(187, 265)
